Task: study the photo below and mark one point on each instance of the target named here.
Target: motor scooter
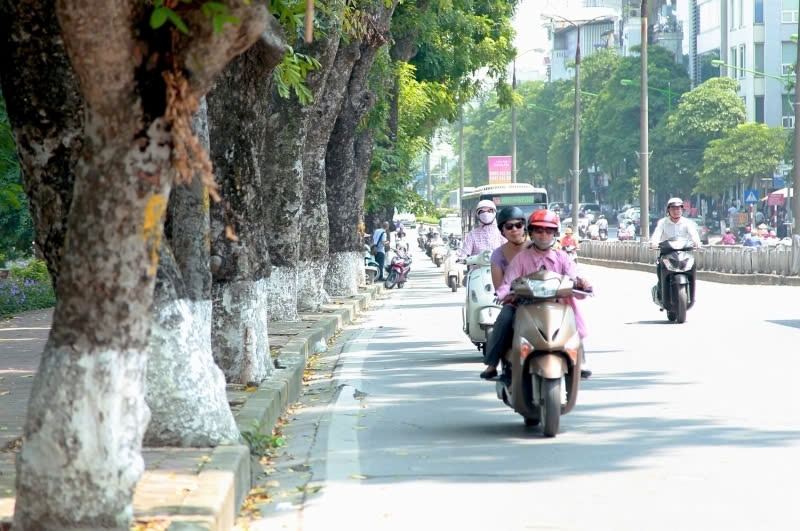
(481, 309)
(437, 252)
(546, 351)
(453, 272)
(676, 271)
(572, 252)
(397, 270)
(370, 266)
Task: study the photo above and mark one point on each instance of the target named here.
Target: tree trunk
(314, 248)
(292, 205)
(237, 114)
(49, 145)
(185, 388)
(345, 184)
(87, 414)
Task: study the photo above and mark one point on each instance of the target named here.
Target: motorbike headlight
(525, 348)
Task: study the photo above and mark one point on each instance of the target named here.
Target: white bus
(522, 195)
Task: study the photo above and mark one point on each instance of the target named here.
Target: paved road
(693, 426)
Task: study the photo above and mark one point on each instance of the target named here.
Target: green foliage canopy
(745, 154)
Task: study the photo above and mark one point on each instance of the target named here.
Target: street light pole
(514, 123)
(461, 159)
(796, 170)
(576, 136)
(644, 155)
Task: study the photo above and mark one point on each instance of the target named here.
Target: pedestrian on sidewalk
(379, 240)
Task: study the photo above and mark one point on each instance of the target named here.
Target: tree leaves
(745, 154)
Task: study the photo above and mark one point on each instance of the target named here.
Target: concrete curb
(751, 279)
(226, 480)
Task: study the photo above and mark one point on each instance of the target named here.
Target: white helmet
(674, 201)
(486, 203)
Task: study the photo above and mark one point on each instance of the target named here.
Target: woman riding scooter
(511, 222)
(542, 226)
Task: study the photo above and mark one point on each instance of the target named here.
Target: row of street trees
(193, 171)
(698, 137)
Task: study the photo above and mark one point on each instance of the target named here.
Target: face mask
(544, 246)
(486, 217)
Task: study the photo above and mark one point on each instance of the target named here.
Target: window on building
(787, 119)
(758, 57)
(739, 13)
(742, 60)
(758, 12)
(789, 10)
(788, 57)
(760, 109)
(733, 60)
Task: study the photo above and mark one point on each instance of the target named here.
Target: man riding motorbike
(602, 226)
(542, 226)
(486, 235)
(673, 226)
(568, 240)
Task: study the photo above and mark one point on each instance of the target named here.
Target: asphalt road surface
(682, 427)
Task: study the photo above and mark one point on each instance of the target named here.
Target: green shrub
(26, 288)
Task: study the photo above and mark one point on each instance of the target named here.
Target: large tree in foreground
(102, 121)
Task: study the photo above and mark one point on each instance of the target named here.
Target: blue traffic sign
(778, 182)
(751, 196)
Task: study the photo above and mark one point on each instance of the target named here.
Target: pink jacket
(530, 261)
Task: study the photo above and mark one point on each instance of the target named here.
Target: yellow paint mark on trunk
(151, 228)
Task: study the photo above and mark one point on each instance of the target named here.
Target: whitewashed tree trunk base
(239, 330)
(282, 294)
(345, 273)
(311, 292)
(86, 419)
(185, 388)
(796, 255)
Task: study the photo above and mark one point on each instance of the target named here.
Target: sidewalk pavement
(182, 488)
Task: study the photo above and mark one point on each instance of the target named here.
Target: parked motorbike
(545, 352)
(453, 272)
(397, 270)
(437, 252)
(676, 270)
(603, 233)
(481, 308)
(370, 266)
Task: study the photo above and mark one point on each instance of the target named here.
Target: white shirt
(666, 229)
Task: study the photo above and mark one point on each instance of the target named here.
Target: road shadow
(793, 323)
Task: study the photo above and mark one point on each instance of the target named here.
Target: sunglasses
(540, 230)
(517, 225)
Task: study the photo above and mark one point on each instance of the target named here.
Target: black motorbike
(675, 291)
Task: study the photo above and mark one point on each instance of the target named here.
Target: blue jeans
(502, 335)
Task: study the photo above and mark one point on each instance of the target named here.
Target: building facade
(752, 35)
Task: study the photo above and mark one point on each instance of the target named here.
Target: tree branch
(203, 54)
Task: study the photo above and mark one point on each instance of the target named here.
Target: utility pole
(461, 158)
(796, 170)
(514, 123)
(428, 176)
(644, 149)
(576, 136)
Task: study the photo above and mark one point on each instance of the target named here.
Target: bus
(523, 195)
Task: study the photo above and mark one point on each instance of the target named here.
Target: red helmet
(543, 218)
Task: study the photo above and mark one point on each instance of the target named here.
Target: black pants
(381, 259)
(501, 337)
